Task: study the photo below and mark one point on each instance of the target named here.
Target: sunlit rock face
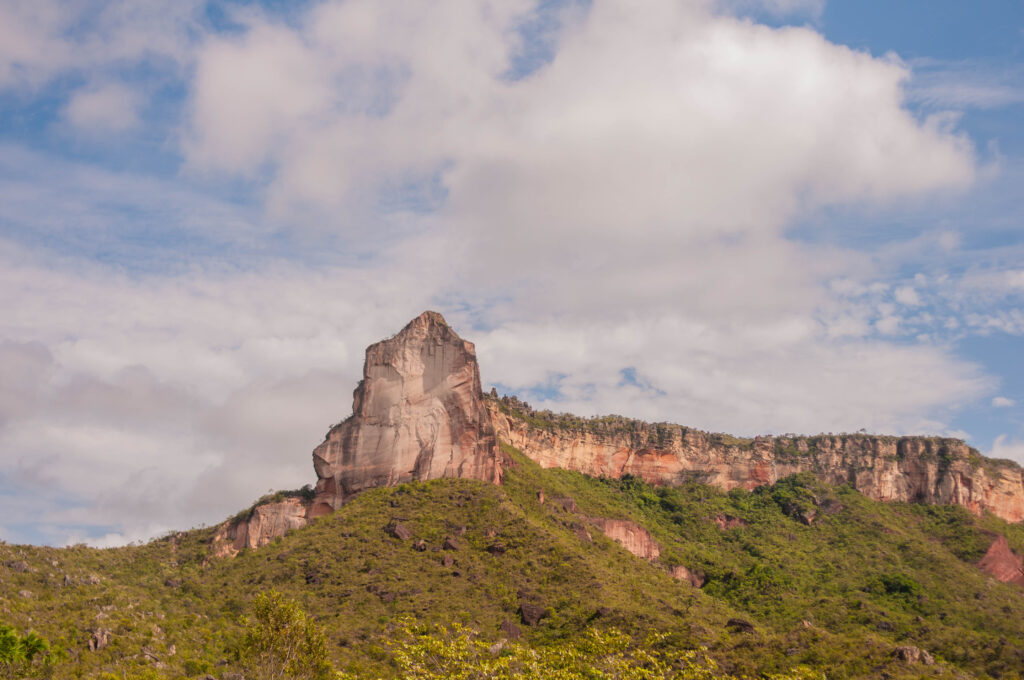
(261, 526)
(418, 414)
(912, 469)
(630, 536)
(1002, 563)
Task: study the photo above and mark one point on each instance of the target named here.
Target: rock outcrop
(262, 525)
(1002, 563)
(913, 469)
(418, 414)
(630, 536)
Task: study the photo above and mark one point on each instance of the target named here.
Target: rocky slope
(913, 469)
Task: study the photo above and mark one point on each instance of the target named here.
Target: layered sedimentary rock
(260, 526)
(418, 414)
(1002, 563)
(914, 469)
(630, 536)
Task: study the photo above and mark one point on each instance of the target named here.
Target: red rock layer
(1002, 563)
(913, 469)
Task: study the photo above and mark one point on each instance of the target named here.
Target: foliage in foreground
(457, 652)
(21, 655)
(282, 641)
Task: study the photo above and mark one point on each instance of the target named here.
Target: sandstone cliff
(260, 526)
(913, 469)
(418, 414)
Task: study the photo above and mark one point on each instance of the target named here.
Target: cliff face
(418, 414)
(263, 524)
(913, 469)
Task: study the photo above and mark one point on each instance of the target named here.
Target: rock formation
(418, 414)
(1002, 563)
(912, 469)
(262, 525)
(630, 536)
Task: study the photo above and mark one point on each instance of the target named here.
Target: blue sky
(751, 216)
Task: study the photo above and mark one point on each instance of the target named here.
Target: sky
(745, 216)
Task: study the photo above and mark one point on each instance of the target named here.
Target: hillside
(840, 595)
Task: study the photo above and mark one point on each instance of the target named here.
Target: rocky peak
(418, 414)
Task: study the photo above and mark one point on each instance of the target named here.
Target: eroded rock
(1002, 563)
(531, 614)
(630, 536)
(909, 469)
(681, 573)
(912, 654)
(418, 414)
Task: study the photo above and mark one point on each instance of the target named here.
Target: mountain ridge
(419, 413)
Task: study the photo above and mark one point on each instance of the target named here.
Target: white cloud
(906, 295)
(1009, 449)
(42, 39)
(812, 9)
(641, 118)
(623, 206)
(965, 84)
(1002, 402)
(109, 108)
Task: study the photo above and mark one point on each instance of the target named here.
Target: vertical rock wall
(418, 414)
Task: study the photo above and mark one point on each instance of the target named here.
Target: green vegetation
(281, 641)
(817, 577)
(21, 655)
(436, 653)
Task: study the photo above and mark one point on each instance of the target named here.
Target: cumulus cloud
(1002, 402)
(108, 108)
(615, 208)
(43, 39)
(1009, 449)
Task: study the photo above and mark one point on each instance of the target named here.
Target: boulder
(531, 614)
(729, 522)
(912, 654)
(683, 574)
(739, 626)
(511, 630)
(99, 639)
(399, 531)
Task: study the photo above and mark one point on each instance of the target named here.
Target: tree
(282, 643)
(20, 653)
